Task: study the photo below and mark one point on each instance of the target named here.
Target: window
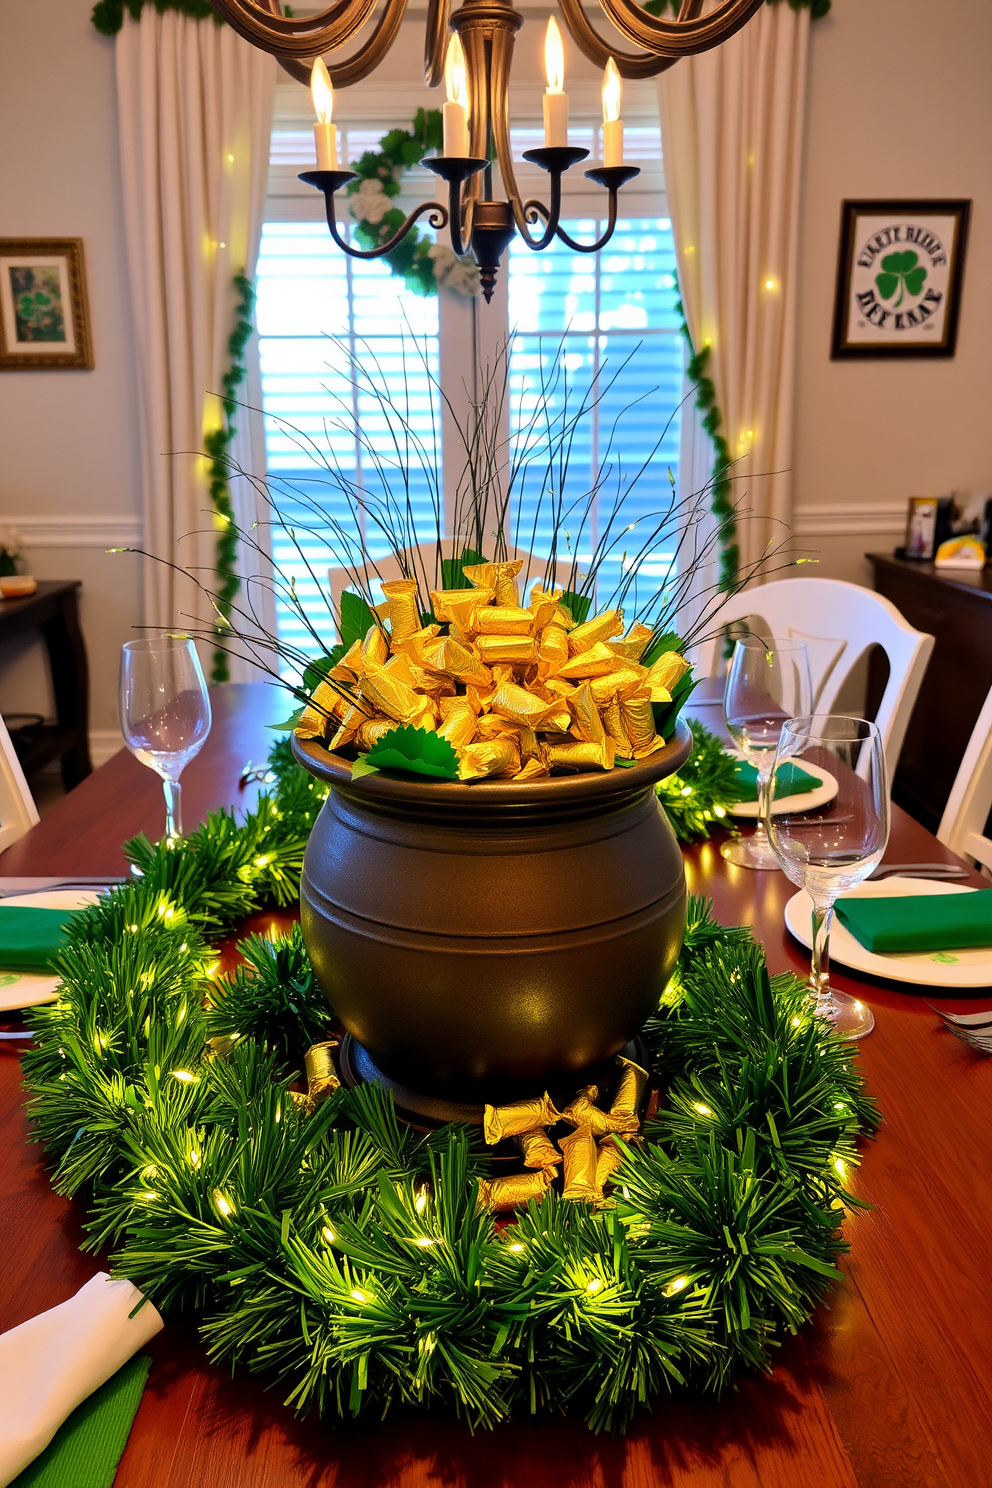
(612, 312)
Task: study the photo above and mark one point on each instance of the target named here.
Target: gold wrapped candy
(500, 577)
(517, 650)
(503, 620)
(499, 758)
(627, 1100)
(328, 702)
(581, 1156)
(608, 1159)
(459, 723)
(522, 1116)
(581, 756)
(375, 647)
(587, 725)
(597, 661)
(534, 769)
(590, 632)
(538, 1149)
(404, 617)
(552, 650)
(613, 720)
(512, 1191)
(454, 660)
(518, 706)
(321, 1073)
(460, 606)
(631, 648)
(370, 732)
(583, 1111)
(544, 607)
(638, 722)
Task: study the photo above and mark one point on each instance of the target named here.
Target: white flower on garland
(458, 275)
(370, 202)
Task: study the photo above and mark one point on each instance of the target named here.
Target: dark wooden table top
(890, 1388)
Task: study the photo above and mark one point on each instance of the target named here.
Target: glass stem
(173, 808)
(819, 976)
(764, 798)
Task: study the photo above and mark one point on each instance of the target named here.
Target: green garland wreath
(423, 265)
(346, 1257)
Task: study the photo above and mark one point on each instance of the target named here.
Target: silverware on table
(973, 1029)
(919, 870)
(11, 886)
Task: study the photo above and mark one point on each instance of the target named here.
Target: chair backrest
(426, 563)
(839, 622)
(962, 826)
(17, 809)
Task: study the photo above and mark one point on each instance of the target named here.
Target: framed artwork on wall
(899, 274)
(44, 317)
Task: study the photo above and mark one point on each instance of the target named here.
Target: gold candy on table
(538, 1149)
(608, 1159)
(583, 1111)
(581, 1156)
(512, 1190)
(322, 1076)
(627, 1100)
(521, 1116)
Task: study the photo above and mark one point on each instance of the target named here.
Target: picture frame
(900, 269)
(44, 315)
(928, 524)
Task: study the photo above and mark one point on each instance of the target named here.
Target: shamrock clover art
(900, 271)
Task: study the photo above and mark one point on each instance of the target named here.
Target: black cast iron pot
(483, 942)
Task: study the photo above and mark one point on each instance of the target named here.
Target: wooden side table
(955, 607)
(54, 611)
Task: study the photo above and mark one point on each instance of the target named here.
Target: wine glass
(828, 849)
(768, 682)
(164, 712)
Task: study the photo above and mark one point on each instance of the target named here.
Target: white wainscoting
(850, 520)
(103, 530)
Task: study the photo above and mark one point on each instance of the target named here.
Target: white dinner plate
(805, 801)
(21, 989)
(968, 968)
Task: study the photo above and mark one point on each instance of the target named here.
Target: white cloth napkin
(51, 1363)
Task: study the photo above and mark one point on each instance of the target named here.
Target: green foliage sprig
(344, 1255)
(698, 796)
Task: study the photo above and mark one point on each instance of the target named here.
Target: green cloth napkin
(918, 922)
(789, 781)
(30, 938)
(89, 1444)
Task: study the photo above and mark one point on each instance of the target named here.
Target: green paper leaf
(452, 576)
(362, 767)
(578, 605)
(668, 642)
(624, 764)
(356, 618)
(666, 714)
(288, 724)
(416, 752)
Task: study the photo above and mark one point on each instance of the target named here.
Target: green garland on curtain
(108, 15)
(721, 505)
(217, 445)
(347, 1257)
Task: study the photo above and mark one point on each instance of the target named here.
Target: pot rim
(583, 786)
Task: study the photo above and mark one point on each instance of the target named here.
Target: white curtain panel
(732, 135)
(195, 117)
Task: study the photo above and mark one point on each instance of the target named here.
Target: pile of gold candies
(519, 692)
(587, 1155)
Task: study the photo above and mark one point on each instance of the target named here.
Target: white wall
(900, 105)
(68, 451)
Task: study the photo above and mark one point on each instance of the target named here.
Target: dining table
(888, 1386)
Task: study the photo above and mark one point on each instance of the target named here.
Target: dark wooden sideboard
(54, 612)
(955, 607)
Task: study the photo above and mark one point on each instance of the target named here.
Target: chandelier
(472, 52)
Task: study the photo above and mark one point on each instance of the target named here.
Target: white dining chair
(17, 809)
(962, 826)
(839, 622)
(426, 564)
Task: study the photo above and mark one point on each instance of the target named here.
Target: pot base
(425, 1112)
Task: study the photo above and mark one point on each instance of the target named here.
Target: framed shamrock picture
(899, 275)
(44, 318)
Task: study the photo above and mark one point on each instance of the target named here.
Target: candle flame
(611, 92)
(321, 91)
(554, 58)
(455, 78)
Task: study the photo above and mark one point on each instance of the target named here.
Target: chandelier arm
(591, 44)
(552, 216)
(330, 183)
(679, 38)
(363, 62)
(607, 235)
(269, 13)
(435, 41)
(612, 177)
(256, 25)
